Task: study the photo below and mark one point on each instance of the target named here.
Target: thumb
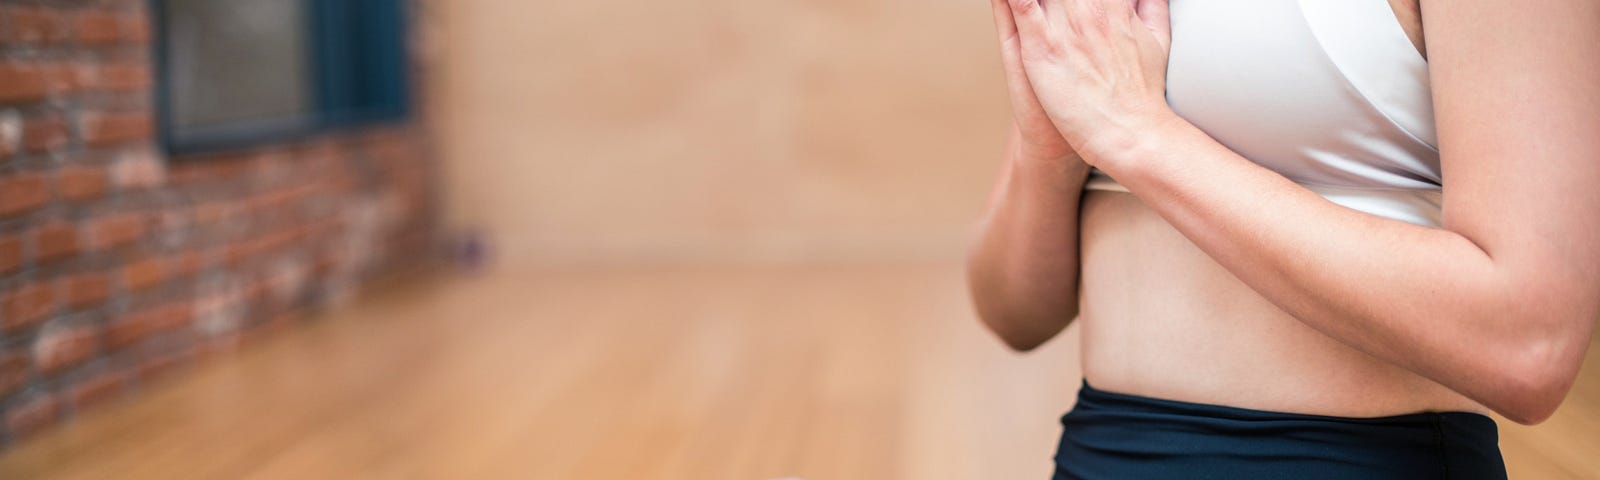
(1154, 15)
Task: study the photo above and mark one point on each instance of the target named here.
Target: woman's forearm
(1427, 299)
(1023, 268)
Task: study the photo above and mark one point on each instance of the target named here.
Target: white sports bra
(1329, 93)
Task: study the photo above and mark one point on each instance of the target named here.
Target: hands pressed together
(1084, 76)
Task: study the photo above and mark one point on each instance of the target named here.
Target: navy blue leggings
(1115, 436)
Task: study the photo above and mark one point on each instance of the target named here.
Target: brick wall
(118, 264)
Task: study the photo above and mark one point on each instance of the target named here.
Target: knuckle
(1101, 18)
(1099, 15)
(1054, 49)
(1024, 6)
(1036, 57)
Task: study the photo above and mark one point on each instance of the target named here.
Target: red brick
(96, 389)
(126, 331)
(43, 133)
(80, 183)
(188, 172)
(144, 273)
(237, 252)
(173, 221)
(256, 291)
(171, 317)
(105, 128)
(117, 230)
(21, 82)
(67, 77)
(31, 416)
(123, 77)
(55, 240)
(56, 350)
(236, 166)
(10, 253)
(270, 242)
(326, 264)
(35, 25)
(23, 192)
(26, 306)
(86, 289)
(97, 27)
(133, 327)
(13, 372)
(136, 29)
(211, 212)
(186, 264)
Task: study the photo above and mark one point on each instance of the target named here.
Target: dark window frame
(350, 89)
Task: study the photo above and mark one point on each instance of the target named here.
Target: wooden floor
(845, 372)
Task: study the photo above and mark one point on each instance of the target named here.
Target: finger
(1032, 26)
(1154, 14)
(1055, 11)
(1003, 24)
(1083, 15)
(1010, 45)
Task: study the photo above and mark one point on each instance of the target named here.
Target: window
(238, 72)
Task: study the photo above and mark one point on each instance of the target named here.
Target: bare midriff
(1161, 319)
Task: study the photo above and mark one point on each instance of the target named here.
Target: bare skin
(1409, 14)
(1190, 291)
(1213, 339)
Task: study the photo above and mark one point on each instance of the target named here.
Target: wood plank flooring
(874, 371)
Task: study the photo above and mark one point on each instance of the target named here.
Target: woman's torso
(1159, 317)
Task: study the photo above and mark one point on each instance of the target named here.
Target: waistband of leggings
(1090, 397)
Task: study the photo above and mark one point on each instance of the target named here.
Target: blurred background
(616, 131)
(510, 239)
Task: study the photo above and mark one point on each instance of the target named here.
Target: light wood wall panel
(790, 130)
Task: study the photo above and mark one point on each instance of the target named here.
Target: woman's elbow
(1533, 386)
(1531, 402)
(1018, 312)
(1010, 333)
(1532, 363)
(1022, 326)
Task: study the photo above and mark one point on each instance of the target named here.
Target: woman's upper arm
(1517, 103)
